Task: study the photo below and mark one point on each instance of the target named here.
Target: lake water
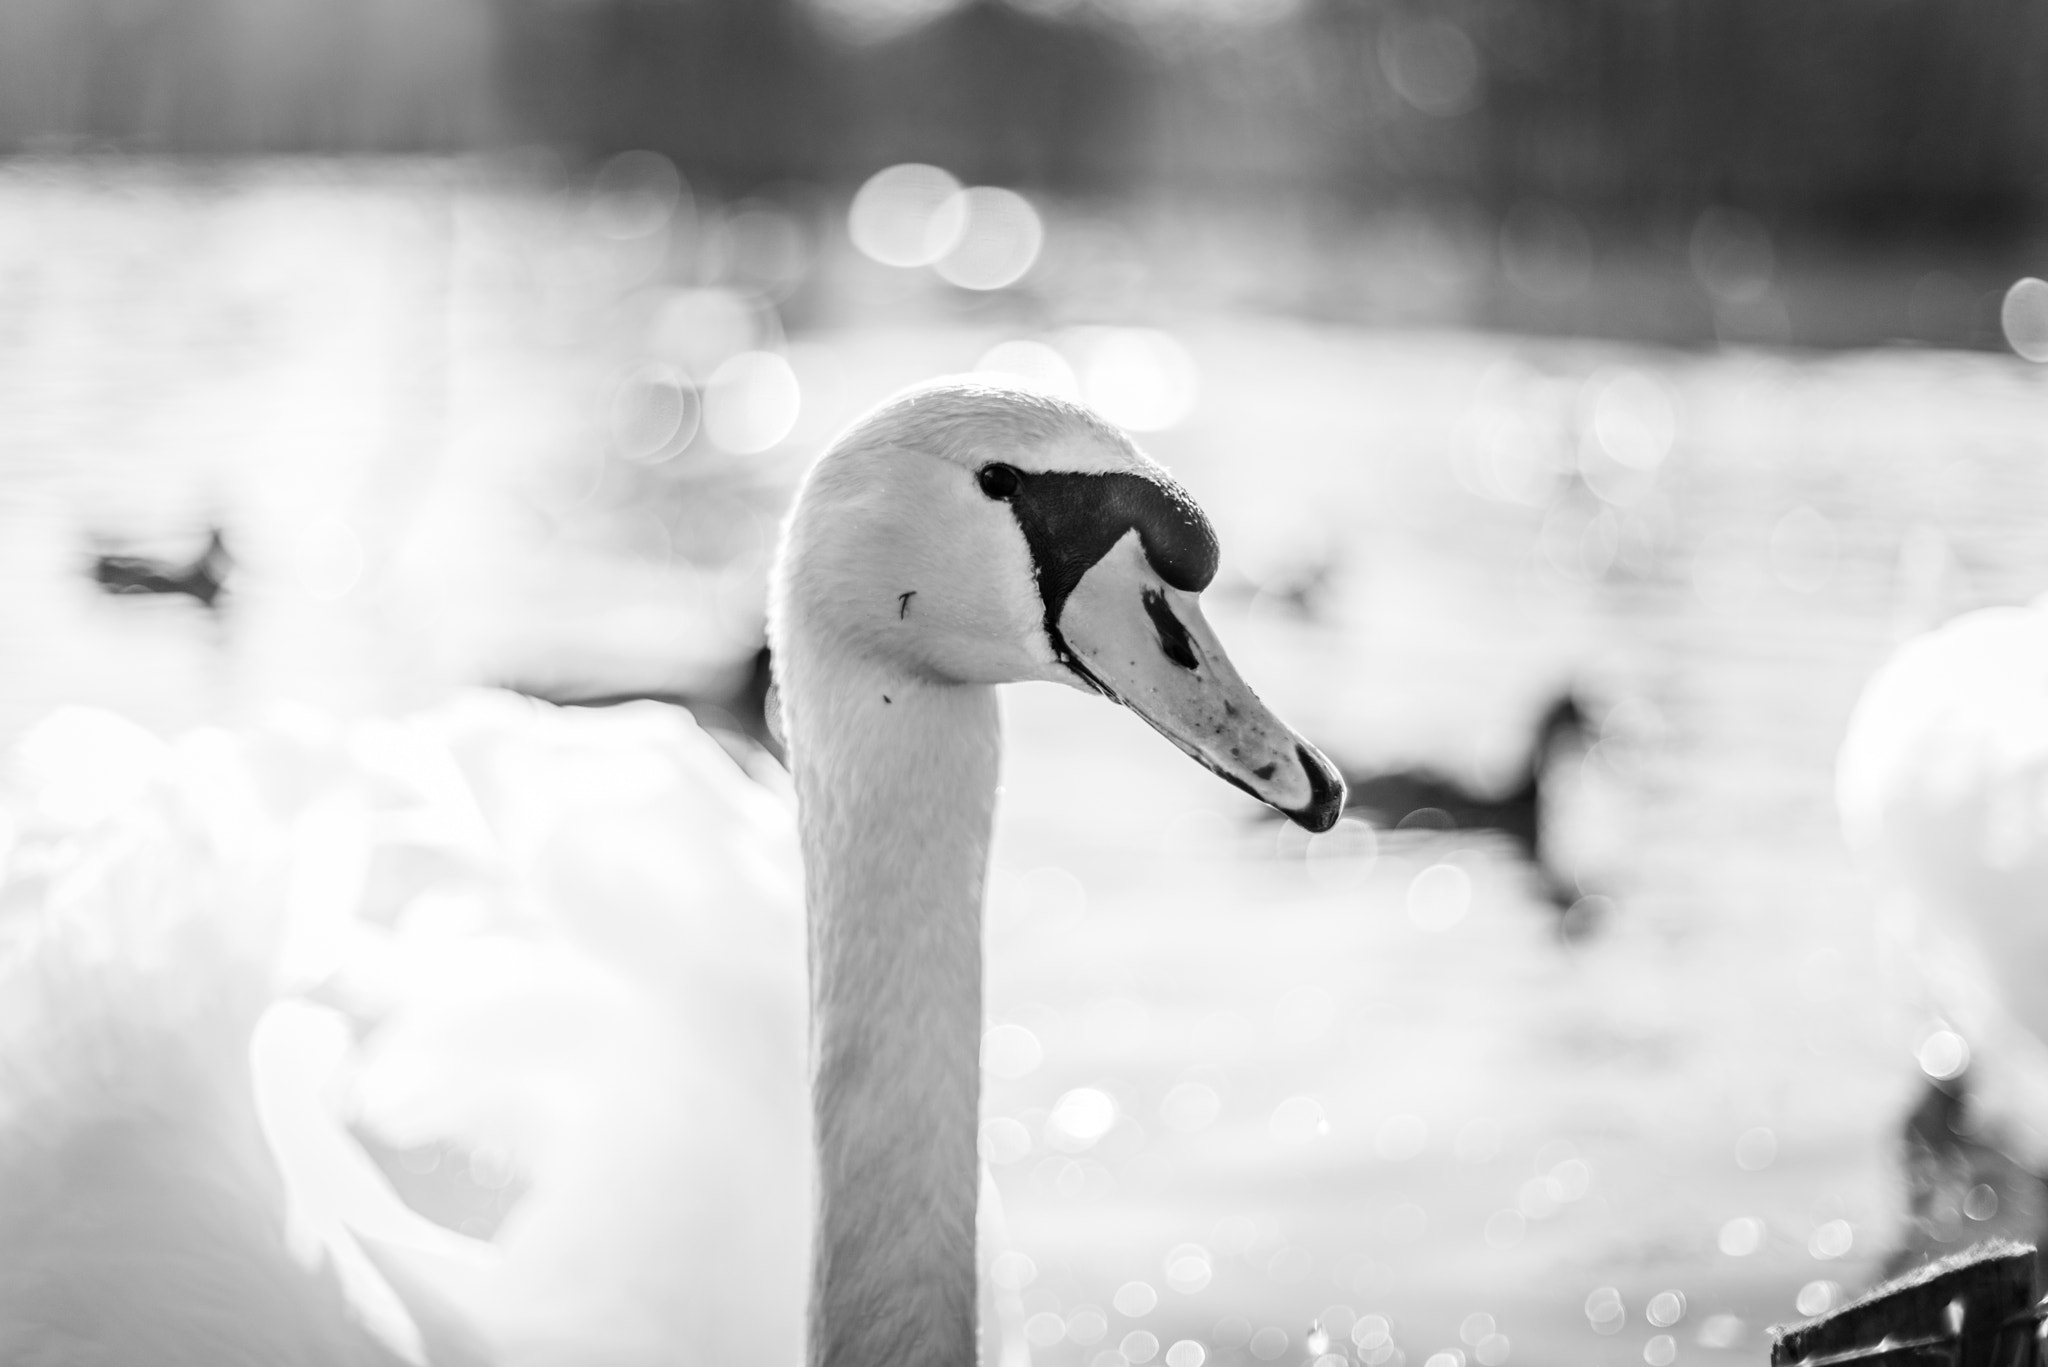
(1276, 1084)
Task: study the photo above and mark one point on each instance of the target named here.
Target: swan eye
(1000, 481)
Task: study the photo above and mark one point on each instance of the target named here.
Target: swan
(1942, 789)
(957, 538)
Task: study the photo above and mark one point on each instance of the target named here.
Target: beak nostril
(1173, 634)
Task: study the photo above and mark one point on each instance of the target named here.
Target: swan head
(964, 533)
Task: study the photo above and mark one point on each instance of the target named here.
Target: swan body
(477, 929)
(574, 938)
(1942, 784)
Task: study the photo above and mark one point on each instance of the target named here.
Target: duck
(203, 578)
(1938, 785)
(1424, 799)
(958, 538)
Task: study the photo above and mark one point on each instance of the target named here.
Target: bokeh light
(1012, 1270)
(751, 402)
(1818, 1297)
(1431, 64)
(1804, 548)
(998, 240)
(1186, 1353)
(1011, 1051)
(1635, 419)
(1134, 1300)
(1605, 1311)
(700, 329)
(1188, 1269)
(1140, 378)
(654, 414)
(907, 215)
(1741, 1236)
(1004, 1141)
(1029, 365)
(1343, 856)
(1943, 1054)
(1832, 1239)
(1722, 1331)
(1081, 1117)
(1269, 1343)
(1756, 1149)
(635, 194)
(1086, 1325)
(1438, 897)
(1665, 1309)
(2024, 316)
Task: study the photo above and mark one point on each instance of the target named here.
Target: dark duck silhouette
(203, 578)
(1423, 799)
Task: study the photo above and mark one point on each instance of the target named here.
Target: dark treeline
(1864, 118)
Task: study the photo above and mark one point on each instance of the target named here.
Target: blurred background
(1674, 357)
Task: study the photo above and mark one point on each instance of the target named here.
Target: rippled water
(1242, 1084)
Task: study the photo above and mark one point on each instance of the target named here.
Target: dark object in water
(745, 709)
(1973, 1309)
(1423, 799)
(202, 579)
(1960, 1185)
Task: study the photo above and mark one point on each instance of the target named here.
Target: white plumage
(1943, 788)
(571, 939)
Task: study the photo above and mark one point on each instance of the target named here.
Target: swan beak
(1145, 644)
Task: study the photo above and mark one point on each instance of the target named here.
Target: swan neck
(895, 780)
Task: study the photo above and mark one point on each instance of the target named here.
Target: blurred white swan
(568, 939)
(1942, 783)
(573, 941)
(1943, 787)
